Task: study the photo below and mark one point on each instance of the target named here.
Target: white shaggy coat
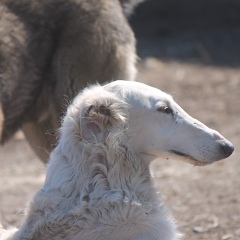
(98, 184)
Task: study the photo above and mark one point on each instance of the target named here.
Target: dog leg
(40, 138)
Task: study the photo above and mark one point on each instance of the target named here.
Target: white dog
(98, 184)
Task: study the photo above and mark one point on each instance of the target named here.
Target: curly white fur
(98, 184)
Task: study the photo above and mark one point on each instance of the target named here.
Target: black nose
(227, 148)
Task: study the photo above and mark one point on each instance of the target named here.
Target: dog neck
(99, 189)
(98, 173)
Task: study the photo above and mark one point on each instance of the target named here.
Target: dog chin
(195, 162)
(187, 158)
(173, 155)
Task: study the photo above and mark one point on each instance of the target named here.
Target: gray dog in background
(51, 49)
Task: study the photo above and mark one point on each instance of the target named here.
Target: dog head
(154, 125)
(160, 128)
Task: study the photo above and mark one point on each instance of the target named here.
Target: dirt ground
(190, 49)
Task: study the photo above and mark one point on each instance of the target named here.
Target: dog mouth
(187, 158)
(179, 153)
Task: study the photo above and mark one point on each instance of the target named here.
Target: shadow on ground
(205, 31)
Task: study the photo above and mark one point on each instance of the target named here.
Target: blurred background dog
(49, 51)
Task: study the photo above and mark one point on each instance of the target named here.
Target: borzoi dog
(52, 49)
(98, 184)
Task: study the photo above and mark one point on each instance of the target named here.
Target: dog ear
(94, 113)
(106, 114)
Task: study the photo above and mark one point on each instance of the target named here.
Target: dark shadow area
(204, 31)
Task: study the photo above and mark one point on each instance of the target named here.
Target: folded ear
(105, 115)
(102, 112)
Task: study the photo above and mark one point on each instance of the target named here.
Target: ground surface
(191, 50)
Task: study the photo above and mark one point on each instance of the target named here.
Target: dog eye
(165, 109)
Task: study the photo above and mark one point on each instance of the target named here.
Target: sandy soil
(197, 61)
